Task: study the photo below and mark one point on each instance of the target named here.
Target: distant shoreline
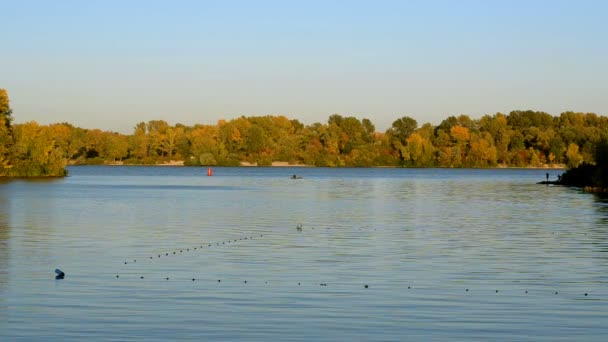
(181, 163)
(280, 164)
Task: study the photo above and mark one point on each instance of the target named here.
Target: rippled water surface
(383, 255)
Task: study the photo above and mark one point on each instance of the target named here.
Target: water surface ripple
(382, 255)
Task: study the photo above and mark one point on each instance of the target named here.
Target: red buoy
(209, 172)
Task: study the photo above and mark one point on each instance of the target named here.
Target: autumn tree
(6, 134)
(418, 151)
(573, 156)
(482, 152)
(114, 146)
(522, 138)
(139, 143)
(35, 153)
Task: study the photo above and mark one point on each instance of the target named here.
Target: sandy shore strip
(276, 163)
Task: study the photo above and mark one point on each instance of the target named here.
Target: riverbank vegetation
(517, 139)
(593, 177)
(28, 150)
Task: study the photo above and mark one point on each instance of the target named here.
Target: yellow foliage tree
(418, 151)
(573, 156)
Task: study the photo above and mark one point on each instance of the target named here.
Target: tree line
(28, 150)
(517, 139)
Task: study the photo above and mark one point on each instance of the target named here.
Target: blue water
(445, 255)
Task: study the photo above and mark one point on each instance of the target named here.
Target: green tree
(402, 128)
(521, 120)
(5, 108)
(369, 130)
(500, 131)
(256, 139)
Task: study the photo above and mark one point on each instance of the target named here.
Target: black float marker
(61, 274)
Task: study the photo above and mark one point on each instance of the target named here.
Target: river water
(165, 253)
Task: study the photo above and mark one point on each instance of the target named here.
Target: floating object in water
(585, 294)
(167, 278)
(209, 172)
(117, 276)
(294, 176)
(496, 291)
(245, 281)
(60, 274)
(219, 280)
(142, 277)
(193, 279)
(467, 290)
(299, 227)
(366, 286)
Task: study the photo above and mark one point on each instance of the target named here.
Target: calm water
(466, 255)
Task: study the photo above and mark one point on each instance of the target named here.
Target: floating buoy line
(364, 286)
(199, 247)
(248, 282)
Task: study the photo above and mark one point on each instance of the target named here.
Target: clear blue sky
(111, 64)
